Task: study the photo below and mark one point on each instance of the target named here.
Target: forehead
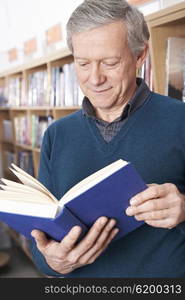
(107, 39)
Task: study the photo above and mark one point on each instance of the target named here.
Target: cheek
(117, 80)
(123, 76)
(82, 79)
(81, 75)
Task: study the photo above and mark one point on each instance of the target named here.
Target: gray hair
(94, 13)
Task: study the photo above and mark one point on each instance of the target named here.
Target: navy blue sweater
(153, 139)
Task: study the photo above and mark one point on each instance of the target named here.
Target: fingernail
(103, 221)
(116, 230)
(129, 211)
(112, 222)
(133, 201)
(76, 229)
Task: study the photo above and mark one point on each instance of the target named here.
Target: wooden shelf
(27, 147)
(37, 108)
(37, 62)
(66, 108)
(6, 142)
(173, 13)
(24, 146)
(37, 150)
(4, 108)
(166, 23)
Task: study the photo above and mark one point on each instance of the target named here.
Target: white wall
(165, 3)
(21, 20)
(150, 7)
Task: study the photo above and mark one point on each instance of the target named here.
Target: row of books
(61, 89)
(65, 90)
(14, 90)
(24, 159)
(37, 89)
(30, 130)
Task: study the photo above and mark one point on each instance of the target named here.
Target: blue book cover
(104, 193)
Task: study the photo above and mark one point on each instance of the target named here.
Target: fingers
(40, 239)
(92, 258)
(153, 215)
(152, 192)
(94, 239)
(158, 206)
(101, 244)
(70, 240)
(150, 205)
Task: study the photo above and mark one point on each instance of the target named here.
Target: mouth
(101, 91)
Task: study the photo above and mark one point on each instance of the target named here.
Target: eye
(110, 64)
(83, 64)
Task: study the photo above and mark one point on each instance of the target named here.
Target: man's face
(105, 66)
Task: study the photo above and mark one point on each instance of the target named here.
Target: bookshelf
(22, 110)
(163, 24)
(168, 22)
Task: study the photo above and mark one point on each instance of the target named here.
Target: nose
(96, 77)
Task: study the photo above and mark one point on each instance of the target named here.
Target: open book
(30, 205)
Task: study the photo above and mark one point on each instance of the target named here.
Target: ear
(142, 57)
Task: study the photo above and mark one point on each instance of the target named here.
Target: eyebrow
(104, 58)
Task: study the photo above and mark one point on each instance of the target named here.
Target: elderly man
(120, 118)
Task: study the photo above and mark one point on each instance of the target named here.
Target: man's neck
(111, 114)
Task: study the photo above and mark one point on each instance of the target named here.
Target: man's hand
(159, 206)
(67, 255)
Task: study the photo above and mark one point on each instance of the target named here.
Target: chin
(100, 101)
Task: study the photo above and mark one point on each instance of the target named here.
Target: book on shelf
(69, 85)
(30, 205)
(7, 130)
(9, 157)
(175, 62)
(3, 96)
(25, 161)
(14, 91)
(57, 87)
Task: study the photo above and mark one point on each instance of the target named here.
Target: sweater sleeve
(181, 226)
(45, 179)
